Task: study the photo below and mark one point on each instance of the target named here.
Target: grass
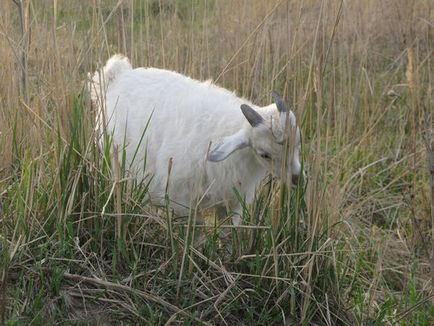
(351, 246)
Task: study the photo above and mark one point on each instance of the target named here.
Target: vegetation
(351, 245)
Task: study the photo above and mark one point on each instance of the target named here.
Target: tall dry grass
(354, 246)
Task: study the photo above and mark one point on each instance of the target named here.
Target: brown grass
(358, 74)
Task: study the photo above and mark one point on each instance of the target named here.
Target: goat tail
(102, 78)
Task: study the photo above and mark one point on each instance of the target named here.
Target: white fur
(187, 118)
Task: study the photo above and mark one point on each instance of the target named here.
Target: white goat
(214, 140)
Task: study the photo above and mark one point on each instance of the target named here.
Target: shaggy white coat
(199, 127)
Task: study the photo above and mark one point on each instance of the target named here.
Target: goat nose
(295, 178)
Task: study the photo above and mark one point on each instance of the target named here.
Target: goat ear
(227, 146)
(251, 115)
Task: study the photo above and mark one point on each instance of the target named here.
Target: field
(351, 245)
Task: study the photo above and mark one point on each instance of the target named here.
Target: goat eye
(265, 156)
